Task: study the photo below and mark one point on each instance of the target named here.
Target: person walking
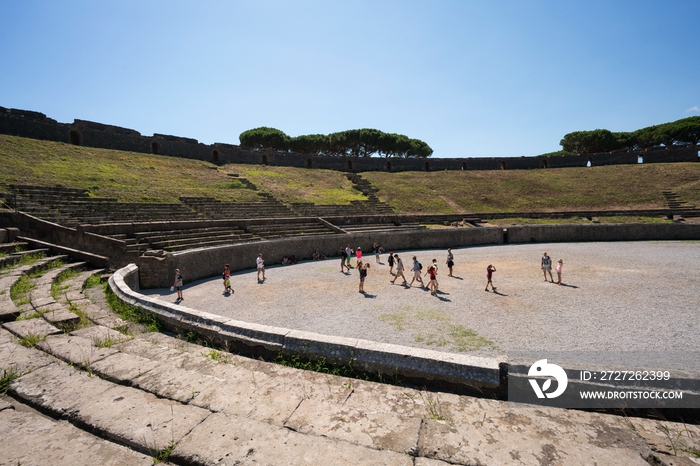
(227, 279)
(358, 254)
(450, 261)
(177, 284)
(417, 269)
(260, 262)
(560, 265)
(432, 271)
(390, 260)
(362, 268)
(399, 270)
(437, 285)
(489, 276)
(343, 259)
(546, 263)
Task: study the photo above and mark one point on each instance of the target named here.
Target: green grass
(219, 356)
(445, 333)
(104, 342)
(8, 375)
(633, 219)
(555, 189)
(31, 340)
(131, 313)
(127, 176)
(19, 292)
(137, 177)
(290, 184)
(322, 365)
(84, 321)
(93, 281)
(57, 288)
(163, 455)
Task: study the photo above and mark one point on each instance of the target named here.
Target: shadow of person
(367, 295)
(498, 293)
(568, 286)
(456, 277)
(443, 299)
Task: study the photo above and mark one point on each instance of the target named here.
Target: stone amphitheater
(84, 384)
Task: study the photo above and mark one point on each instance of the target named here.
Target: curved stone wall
(157, 272)
(464, 370)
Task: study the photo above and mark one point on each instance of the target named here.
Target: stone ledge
(464, 370)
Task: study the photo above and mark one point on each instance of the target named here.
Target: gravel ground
(639, 297)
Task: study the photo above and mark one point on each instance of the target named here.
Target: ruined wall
(86, 133)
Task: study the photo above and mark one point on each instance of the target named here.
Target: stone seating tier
(290, 229)
(213, 208)
(377, 227)
(178, 240)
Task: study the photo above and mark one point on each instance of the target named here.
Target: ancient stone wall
(202, 263)
(91, 134)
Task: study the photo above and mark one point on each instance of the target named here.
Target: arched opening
(348, 165)
(464, 165)
(543, 163)
(263, 159)
(155, 147)
(75, 138)
(309, 163)
(589, 163)
(388, 164)
(215, 155)
(426, 166)
(503, 165)
(640, 159)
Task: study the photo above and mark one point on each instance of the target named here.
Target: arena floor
(641, 298)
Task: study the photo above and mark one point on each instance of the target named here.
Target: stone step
(33, 438)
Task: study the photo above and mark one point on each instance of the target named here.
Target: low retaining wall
(157, 272)
(418, 364)
(602, 232)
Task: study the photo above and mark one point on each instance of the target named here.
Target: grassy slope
(135, 177)
(608, 187)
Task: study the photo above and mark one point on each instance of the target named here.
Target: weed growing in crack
(8, 375)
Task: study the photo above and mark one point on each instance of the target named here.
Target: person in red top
(432, 271)
(489, 272)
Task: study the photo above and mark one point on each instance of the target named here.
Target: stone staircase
(674, 201)
(144, 397)
(375, 205)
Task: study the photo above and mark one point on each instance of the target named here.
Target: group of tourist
(393, 260)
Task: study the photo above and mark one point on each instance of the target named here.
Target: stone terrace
(159, 396)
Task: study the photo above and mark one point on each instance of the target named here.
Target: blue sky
(470, 78)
